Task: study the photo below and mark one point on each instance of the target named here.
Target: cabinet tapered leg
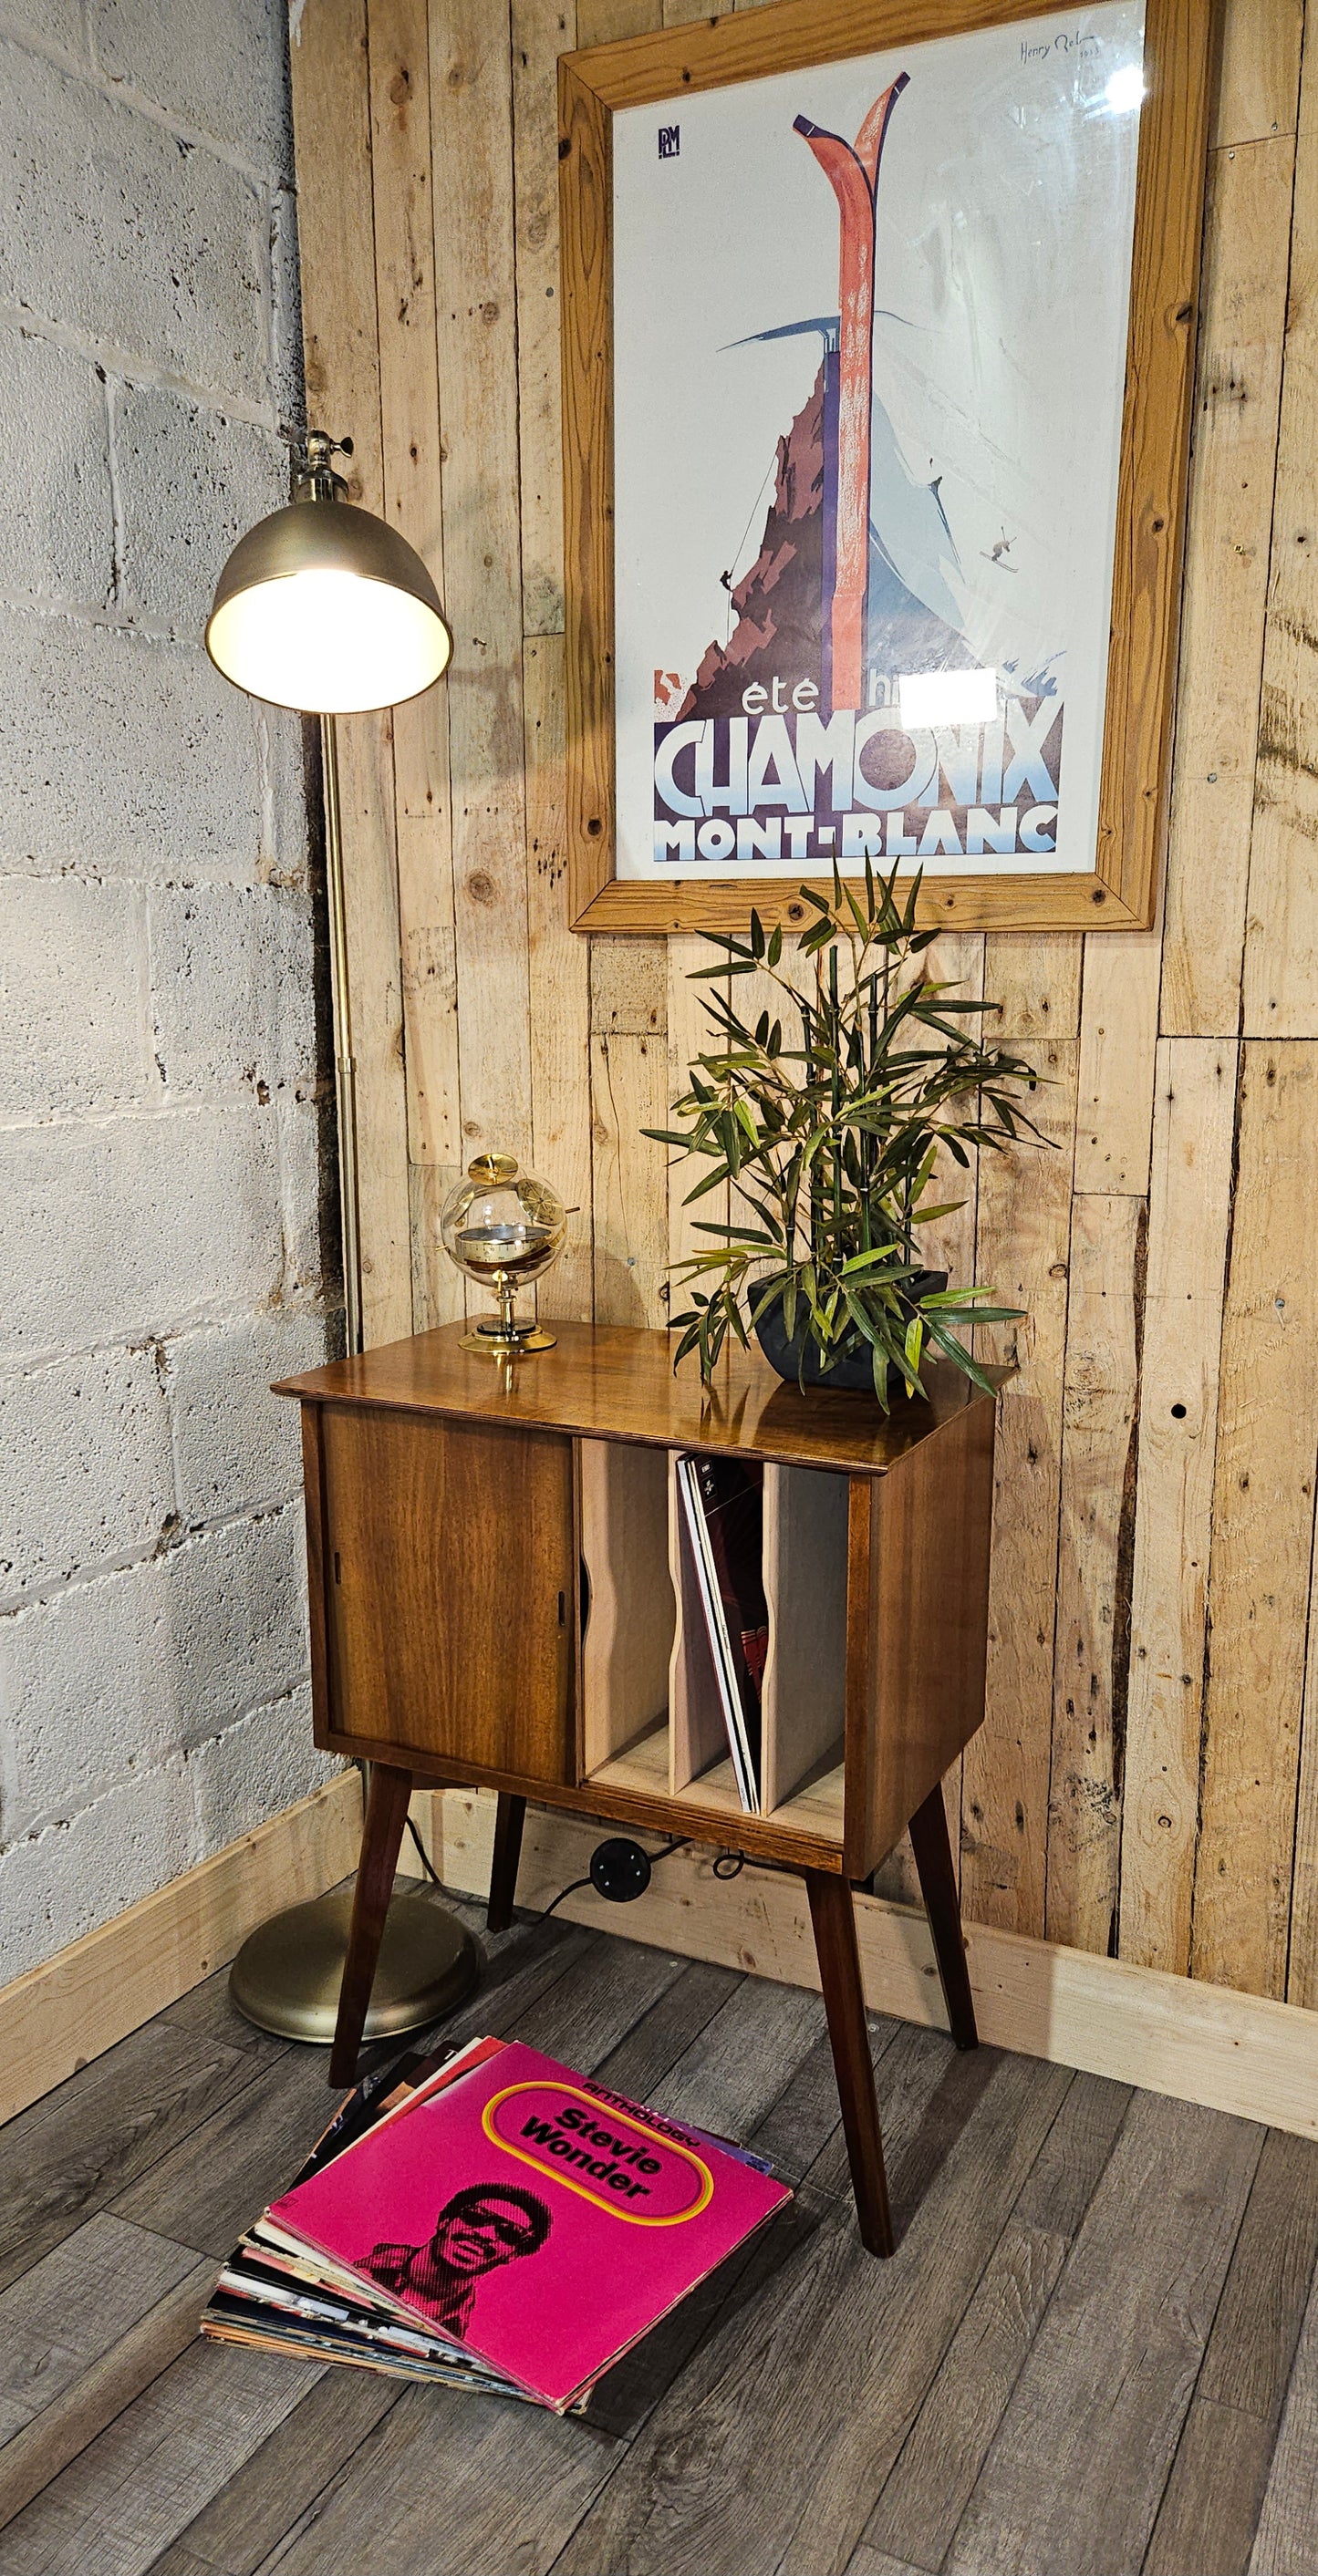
(382, 1833)
(933, 1861)
(832, 1914)
(510, 1816)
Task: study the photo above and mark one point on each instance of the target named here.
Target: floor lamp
(325, 608)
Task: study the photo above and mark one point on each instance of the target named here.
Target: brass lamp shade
(326, 608)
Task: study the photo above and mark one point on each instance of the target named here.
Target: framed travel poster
(878, 347)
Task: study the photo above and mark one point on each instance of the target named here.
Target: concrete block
(56, 1885)
(231, 987)
(86, 1467)
(220, 65)
(236, 1444)
(73, 997)
(56, 509)
(235, 1608)
(308, 1187)
(109, 1678)
(110, 225)
(290, 771)
(89, 1690)
(256, 1768)
(137, 1226)
(55, 22)
(128, 755)
(288, 374)
(190, 483)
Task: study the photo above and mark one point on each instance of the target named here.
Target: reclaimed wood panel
(629, 1091)
(1194, 1131)
(559, 976)
(1100, 1411)
(482, 1019)
(1246, 266)
(1302, 1966)
(1034, 978)
(1023, 1251)
(336, 227)
(1280, 990)
(471, 85)
(1263, 1518)
(1260, 71)
(1118, 1043)
(412, 479)
(541, 31)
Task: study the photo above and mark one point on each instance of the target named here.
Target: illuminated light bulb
(331, 641)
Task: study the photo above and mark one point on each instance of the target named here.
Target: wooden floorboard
(760, 2452)
(282, 2482)
(1286, 2543)
(932, 2480)
(71, 2154)
(1210, 2508)
(1095, 2349)
(99, 2317)
(1075, 2474)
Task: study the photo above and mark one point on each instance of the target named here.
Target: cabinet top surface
(605, 1382)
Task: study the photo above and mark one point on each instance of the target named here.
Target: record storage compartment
(651, 1716)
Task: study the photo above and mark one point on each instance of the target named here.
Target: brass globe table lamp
(503, 1229)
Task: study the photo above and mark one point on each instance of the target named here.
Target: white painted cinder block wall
(161, 1124)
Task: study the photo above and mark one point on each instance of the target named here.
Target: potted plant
(829, 1136)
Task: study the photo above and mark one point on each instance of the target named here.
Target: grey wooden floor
(1096, 2349)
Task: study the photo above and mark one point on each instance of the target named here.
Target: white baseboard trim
(73, 2007)
(1232, 2052)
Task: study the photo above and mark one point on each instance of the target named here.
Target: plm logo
(670, 142)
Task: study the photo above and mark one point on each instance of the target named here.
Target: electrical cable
(431, 1872)
(570, 1890)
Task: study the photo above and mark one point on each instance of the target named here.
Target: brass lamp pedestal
(503, 1338)
(287, 1975)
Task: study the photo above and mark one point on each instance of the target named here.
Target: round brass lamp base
(287, 1975)
(494, 1343)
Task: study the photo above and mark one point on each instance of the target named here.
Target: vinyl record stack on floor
(491, 2221)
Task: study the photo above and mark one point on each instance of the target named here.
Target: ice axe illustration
(852, 171)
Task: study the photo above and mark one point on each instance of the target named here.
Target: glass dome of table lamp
(503, 1228)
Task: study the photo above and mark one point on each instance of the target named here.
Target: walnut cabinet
(501, 1593)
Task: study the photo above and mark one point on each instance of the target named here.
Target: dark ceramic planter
(799, 1360)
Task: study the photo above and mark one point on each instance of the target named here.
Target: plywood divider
(629, 1630)
(805, 1584)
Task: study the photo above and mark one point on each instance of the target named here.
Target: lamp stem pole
(345, 1066)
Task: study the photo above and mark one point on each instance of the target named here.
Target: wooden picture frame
(1121, 891)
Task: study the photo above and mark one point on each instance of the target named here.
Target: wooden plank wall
(1147, 1780)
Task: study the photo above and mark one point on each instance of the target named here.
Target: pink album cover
(532, 2216)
